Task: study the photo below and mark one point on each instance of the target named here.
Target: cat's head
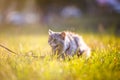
(56, 38)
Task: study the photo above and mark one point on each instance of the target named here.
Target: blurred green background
(74, 15)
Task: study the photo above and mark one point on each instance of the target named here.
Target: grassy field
(104, 64)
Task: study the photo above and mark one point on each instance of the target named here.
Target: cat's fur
(67, 43)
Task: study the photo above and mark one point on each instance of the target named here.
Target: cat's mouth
(55, 47)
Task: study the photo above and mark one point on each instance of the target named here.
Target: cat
(68, 43)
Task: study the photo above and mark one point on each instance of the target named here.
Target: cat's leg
(53, 51)
(84, 51)
(79, 52)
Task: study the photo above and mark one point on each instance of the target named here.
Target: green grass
(104, 64)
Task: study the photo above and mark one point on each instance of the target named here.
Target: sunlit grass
(104, 64)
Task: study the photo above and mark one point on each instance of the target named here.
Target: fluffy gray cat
(68, 43)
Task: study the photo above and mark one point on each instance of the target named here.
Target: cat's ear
(63, 34)
(50, 32)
